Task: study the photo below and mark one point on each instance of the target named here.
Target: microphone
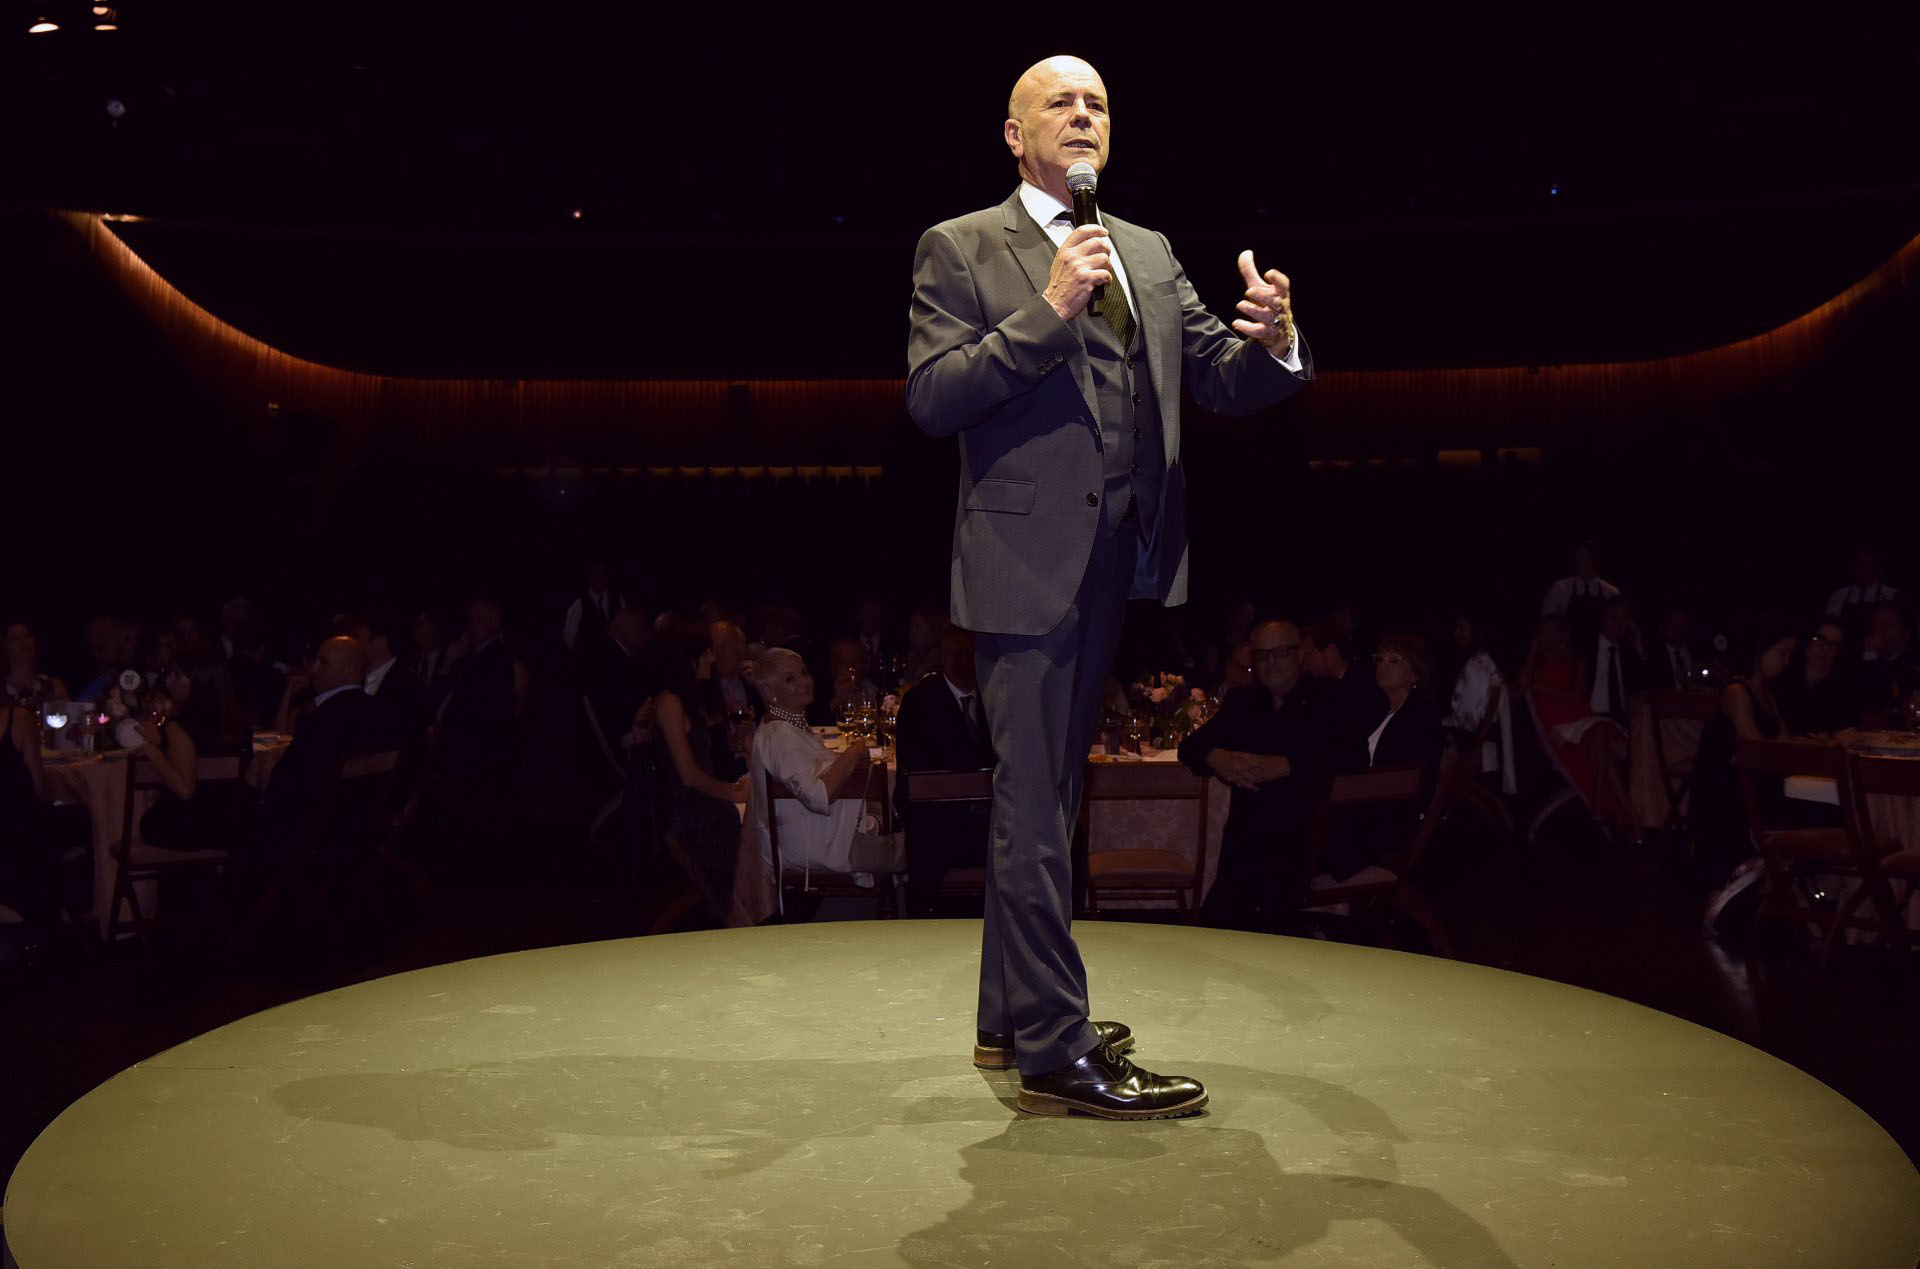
(1082, 182)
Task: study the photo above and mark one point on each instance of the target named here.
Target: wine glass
(1137, 729)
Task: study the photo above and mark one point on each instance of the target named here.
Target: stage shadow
(1083, 1192)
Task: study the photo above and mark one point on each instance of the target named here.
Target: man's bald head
(340, 662)
(1056, 117)
(1035, 79)
(1276, 655)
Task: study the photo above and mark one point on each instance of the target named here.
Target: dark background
(396, 193)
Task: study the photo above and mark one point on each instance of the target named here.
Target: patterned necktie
(1616, 701)
(966, 712)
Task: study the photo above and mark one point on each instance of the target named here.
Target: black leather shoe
(994, 1052)
(1105, 1084)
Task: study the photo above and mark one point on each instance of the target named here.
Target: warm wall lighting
(105, 18)
(44, 26)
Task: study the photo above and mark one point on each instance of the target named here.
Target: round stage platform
(803, 1095)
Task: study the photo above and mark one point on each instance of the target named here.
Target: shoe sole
(1048, 1104)
(1003, 1059)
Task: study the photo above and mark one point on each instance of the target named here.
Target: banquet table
(1895, 818)
(98, 782)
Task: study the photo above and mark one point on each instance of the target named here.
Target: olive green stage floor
(803, 1095)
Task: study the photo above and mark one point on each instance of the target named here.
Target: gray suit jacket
(990, 361)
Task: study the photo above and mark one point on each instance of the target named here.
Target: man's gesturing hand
(1267, 311)
(1081, 264)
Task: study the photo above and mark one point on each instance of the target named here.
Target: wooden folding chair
(1142, 872)
(611, 806)
(135, 862)
(934, 788)
(1468, 789)
(1785, 849)
(835, 885)
(1569, 793)
(1384, 786)
(1881, 860)
(1676, 770)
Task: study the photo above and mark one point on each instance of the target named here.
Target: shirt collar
(332, 692)
(1042, 206)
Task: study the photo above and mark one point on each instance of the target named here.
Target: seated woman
(1815, 696)
(816, 832)
(1370, 839)
(1587, 746)
(701, 807)
(25, 685)
(29, 861)
(1747, 712)
(205, 723)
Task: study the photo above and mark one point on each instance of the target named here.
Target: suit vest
(1132, 446)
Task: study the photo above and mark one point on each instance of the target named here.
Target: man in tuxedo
(1674, 662)
(1353, 702)
(1619, 662)
(729, 695)
(1058, 356)
(479, 700)
(1890, 672)
(344, 720)
(941, 727)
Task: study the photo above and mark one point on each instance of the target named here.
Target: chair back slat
(1791, 757)
(1453, 764)
(1484, 732)
(1689, 706)
(947, 786)
(1380, 784)
(1143, 782)
(1877, 773)
(362, 766)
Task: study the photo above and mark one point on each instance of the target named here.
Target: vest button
(1138, 435)
(1136, 469)
(1136, 398)
(1093, 500)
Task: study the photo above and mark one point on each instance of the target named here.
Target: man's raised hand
(1267, 312)
(1081, 264)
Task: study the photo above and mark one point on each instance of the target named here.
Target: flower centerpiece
(1172, 709)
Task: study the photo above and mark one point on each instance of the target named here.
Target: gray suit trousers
(1042, 696)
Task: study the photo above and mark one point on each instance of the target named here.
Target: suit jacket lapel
(1035, 251)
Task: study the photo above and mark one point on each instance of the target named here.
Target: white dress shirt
(1562, 592)
(1606, 661)
(378, 675)
(1840, 600)
(1046, 211)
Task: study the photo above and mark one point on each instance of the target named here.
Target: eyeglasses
(1285, 652)
(1388, 658)
(1820, 638)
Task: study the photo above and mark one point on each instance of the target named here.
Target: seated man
(1270, 742)
(941, 728)
(816, 831)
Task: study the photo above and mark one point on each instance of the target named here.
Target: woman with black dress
(205, 722)
(29, 864)
(701, 807)
(1748, 711)
(1815, 695)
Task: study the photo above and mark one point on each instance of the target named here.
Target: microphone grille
(1082, 176)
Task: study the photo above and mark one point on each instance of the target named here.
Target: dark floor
(1622, 920)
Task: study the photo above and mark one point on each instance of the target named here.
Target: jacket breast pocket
(1014, 497)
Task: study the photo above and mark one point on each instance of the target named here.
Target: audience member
(871, 629)
(1853, 605)
(428, 649)
(344, 720)
(1270, 742)
(1354, 703)
(940, 727)
(25, 685)
(1407, 734)
(204, 722)
(118, 650)
(1580, 596)
(1587, 746)
(623, 683)
(1674, 663)
(701, 804)
(1473, 688)
(1233, 637)
(1619, 661)
(584, 628)
(29, 864)
(235, 615)
(1748, 711)
(729, 700)
(1889, 671)
(387, 677)
(1815, 695)
(480, 699)
(815, 830)
(97, 636)
(850, 670)
(926, 632)
(258, 684)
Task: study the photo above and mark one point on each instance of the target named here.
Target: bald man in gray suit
(1057, 355)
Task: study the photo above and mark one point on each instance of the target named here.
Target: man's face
(848, 661)
(1675, 629)
(597, 578)
(426, 634)
(1887, 633)
(1276, 656)
(729, 648)
(20, 647)
(957, 662)
(1059, 119)
(483, 621)
(1614, 621)
(1585, 562)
